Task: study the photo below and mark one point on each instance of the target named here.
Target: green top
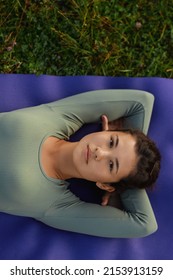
(26, 190)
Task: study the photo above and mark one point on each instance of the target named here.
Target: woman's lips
(87, 154)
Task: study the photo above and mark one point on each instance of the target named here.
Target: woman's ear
(105, 122)
(105, 187)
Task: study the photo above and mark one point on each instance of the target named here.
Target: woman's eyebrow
(116, 141)
(117, 165)
(116, 160)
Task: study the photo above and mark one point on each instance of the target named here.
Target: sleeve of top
(134, 105)
(136, 220)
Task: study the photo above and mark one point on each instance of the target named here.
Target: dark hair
(148, 165)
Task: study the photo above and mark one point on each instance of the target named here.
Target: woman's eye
(111, 165)
(111, 143)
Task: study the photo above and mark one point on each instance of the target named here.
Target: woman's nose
(100, 153)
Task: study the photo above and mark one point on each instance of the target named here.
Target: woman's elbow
(148, 228)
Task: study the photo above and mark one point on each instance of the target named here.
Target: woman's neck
(63, 160)
(57, 158)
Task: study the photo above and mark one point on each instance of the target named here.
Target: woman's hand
(112, 125)
(105, 198)
(112, 199)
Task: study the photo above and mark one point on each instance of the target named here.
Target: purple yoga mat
(25, 238)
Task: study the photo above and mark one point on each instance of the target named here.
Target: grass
(87, 37)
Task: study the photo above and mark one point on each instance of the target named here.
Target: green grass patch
(87, 37)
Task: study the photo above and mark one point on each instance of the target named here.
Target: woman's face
(105, 157)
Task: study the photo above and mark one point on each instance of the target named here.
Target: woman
(36, 159)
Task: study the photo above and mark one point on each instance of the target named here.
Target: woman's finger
(105, 122)
(105, 199)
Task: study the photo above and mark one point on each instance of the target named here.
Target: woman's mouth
(87, 154)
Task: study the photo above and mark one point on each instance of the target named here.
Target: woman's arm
(136, 220)
(134, 105)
